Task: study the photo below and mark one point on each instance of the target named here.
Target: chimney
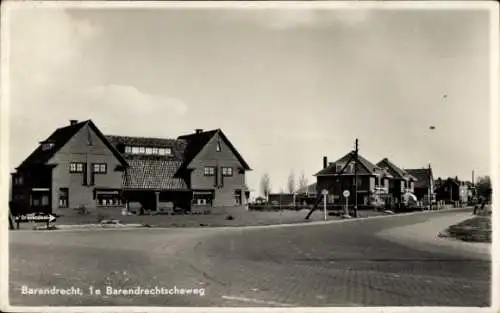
(325, 162)
(198, 130)
(73, 122)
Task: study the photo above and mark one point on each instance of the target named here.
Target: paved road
(343, 264)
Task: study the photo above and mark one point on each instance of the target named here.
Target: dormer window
(46, 146)
(338, 168)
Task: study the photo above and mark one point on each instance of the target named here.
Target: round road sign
(346, 193)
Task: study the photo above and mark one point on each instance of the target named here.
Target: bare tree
(291, 183)
(265, 185)
(302, 181)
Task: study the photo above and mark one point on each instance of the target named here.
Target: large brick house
(339, 176)
(79, 166)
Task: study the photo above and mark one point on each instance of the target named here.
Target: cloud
(296, 18)
(128, 100)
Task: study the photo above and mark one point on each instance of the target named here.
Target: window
(76, 167)
(135, 150)
(18, 180)
(128, 149)
(63, 197)
(149, 150)
(108, 199)
(47, 146)
(155, 151)
(227, 171)
(165, 151)
(218, 147)
(338, 168)
(209, 171)
(202, 201)
(99, 168)
(142, 150)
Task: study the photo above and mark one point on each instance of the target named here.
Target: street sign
(346, 193)
(324, 192)
(35, 218)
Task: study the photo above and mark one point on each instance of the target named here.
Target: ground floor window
(39, 199)
(63, 197)
(108, 198)
(202, 199)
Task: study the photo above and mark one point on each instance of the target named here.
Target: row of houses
(383, 181)
(78, 166)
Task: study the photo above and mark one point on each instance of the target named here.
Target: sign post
(324, 193)
(346, 195)
(36, 218)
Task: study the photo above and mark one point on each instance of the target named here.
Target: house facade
(338, 176)
(401, 182)
(424, 188)
(452, 190)
(78, 166)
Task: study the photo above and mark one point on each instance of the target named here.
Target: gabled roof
(423, 176)
(157, 174)
(59, 138)
(396, 171)
(367, 167)
(197, 141)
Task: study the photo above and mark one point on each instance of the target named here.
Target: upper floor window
(164, 151)
(148, 150)
(47, 146)
(99, 168)
(338, 168)
(218, 146)
(227, 171)
(76, 167)
(18, 180)
(209, 171)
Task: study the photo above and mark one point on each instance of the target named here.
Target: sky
(286, 86)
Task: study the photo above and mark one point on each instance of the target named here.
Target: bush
(82, 209)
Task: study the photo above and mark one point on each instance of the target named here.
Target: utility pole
(431, 184)
(356, 179)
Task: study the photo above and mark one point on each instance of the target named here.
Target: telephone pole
(356, 179)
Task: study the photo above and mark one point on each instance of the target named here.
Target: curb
(84, 227)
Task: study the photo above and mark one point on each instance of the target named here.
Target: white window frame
(142, 150)
(149, 150)
(135, 150)
(227, 171)
(155, 151)
(128, 149)
(209, 171)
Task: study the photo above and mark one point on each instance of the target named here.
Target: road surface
(342, 264)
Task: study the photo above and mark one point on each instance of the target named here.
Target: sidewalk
(426, 235)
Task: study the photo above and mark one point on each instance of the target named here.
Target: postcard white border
(491, 6)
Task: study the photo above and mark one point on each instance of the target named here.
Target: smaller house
(307, 194)
(424, 184)
(401, 181)
(283, 199)
(451, 190)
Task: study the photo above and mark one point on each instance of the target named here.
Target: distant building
(424, 184)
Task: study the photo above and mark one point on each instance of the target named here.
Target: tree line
(292, 184)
